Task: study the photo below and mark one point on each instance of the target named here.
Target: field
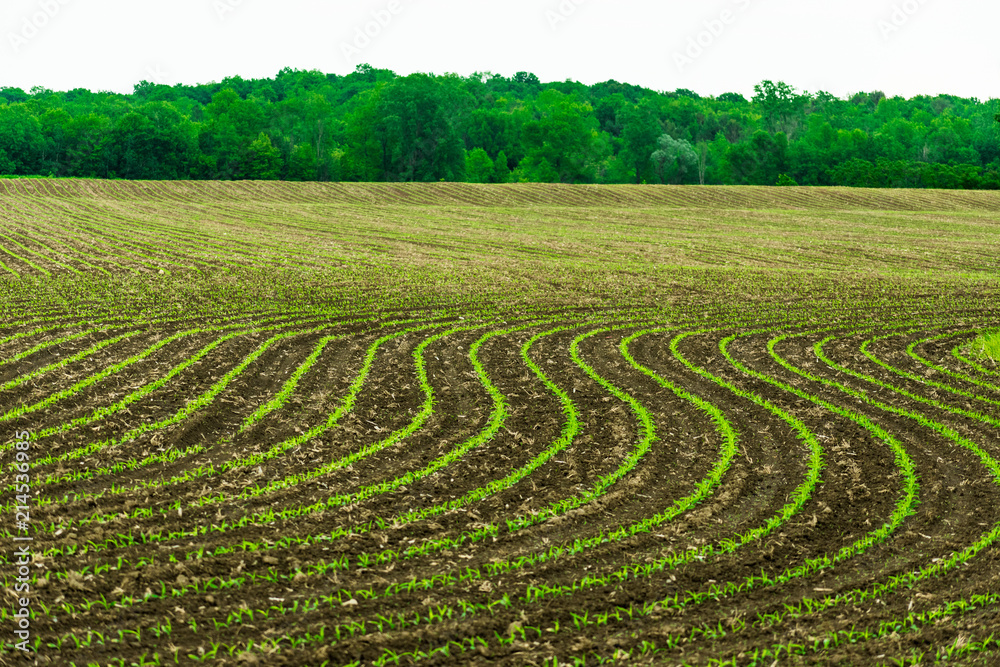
(394, 424)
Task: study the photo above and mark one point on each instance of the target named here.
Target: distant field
(341, 424)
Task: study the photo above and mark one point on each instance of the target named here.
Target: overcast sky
(902, 47)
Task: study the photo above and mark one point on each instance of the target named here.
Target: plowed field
(305, 424)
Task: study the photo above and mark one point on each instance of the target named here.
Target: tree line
(373, 125)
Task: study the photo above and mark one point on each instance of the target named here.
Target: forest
(374, 125)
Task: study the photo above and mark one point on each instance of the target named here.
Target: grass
(987, 347)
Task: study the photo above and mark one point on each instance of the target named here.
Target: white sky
(902, 47)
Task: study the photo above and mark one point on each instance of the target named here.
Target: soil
(858, 490)
(443, 547)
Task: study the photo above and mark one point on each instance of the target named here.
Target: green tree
(54, 126)
(263, 159)
(770, 153)
(855, 173)
(427, 127)
(85, 145)
(608, 112)
(777, 102)
(21, 137)
(152, 142)
(7, 165)
(673, 159)
(493, 130)
(369, 147)
(306, 119)
(425, 143)
(703, 154)
(10, 95)
(536, 170)
(231, 124)
(614, 169)
(561, 143)
(302, 163)
(640, 130)
(478, 166)
(501, 170)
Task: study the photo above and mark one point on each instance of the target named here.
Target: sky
(901, 47)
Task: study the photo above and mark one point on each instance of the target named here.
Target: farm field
(393, 424)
